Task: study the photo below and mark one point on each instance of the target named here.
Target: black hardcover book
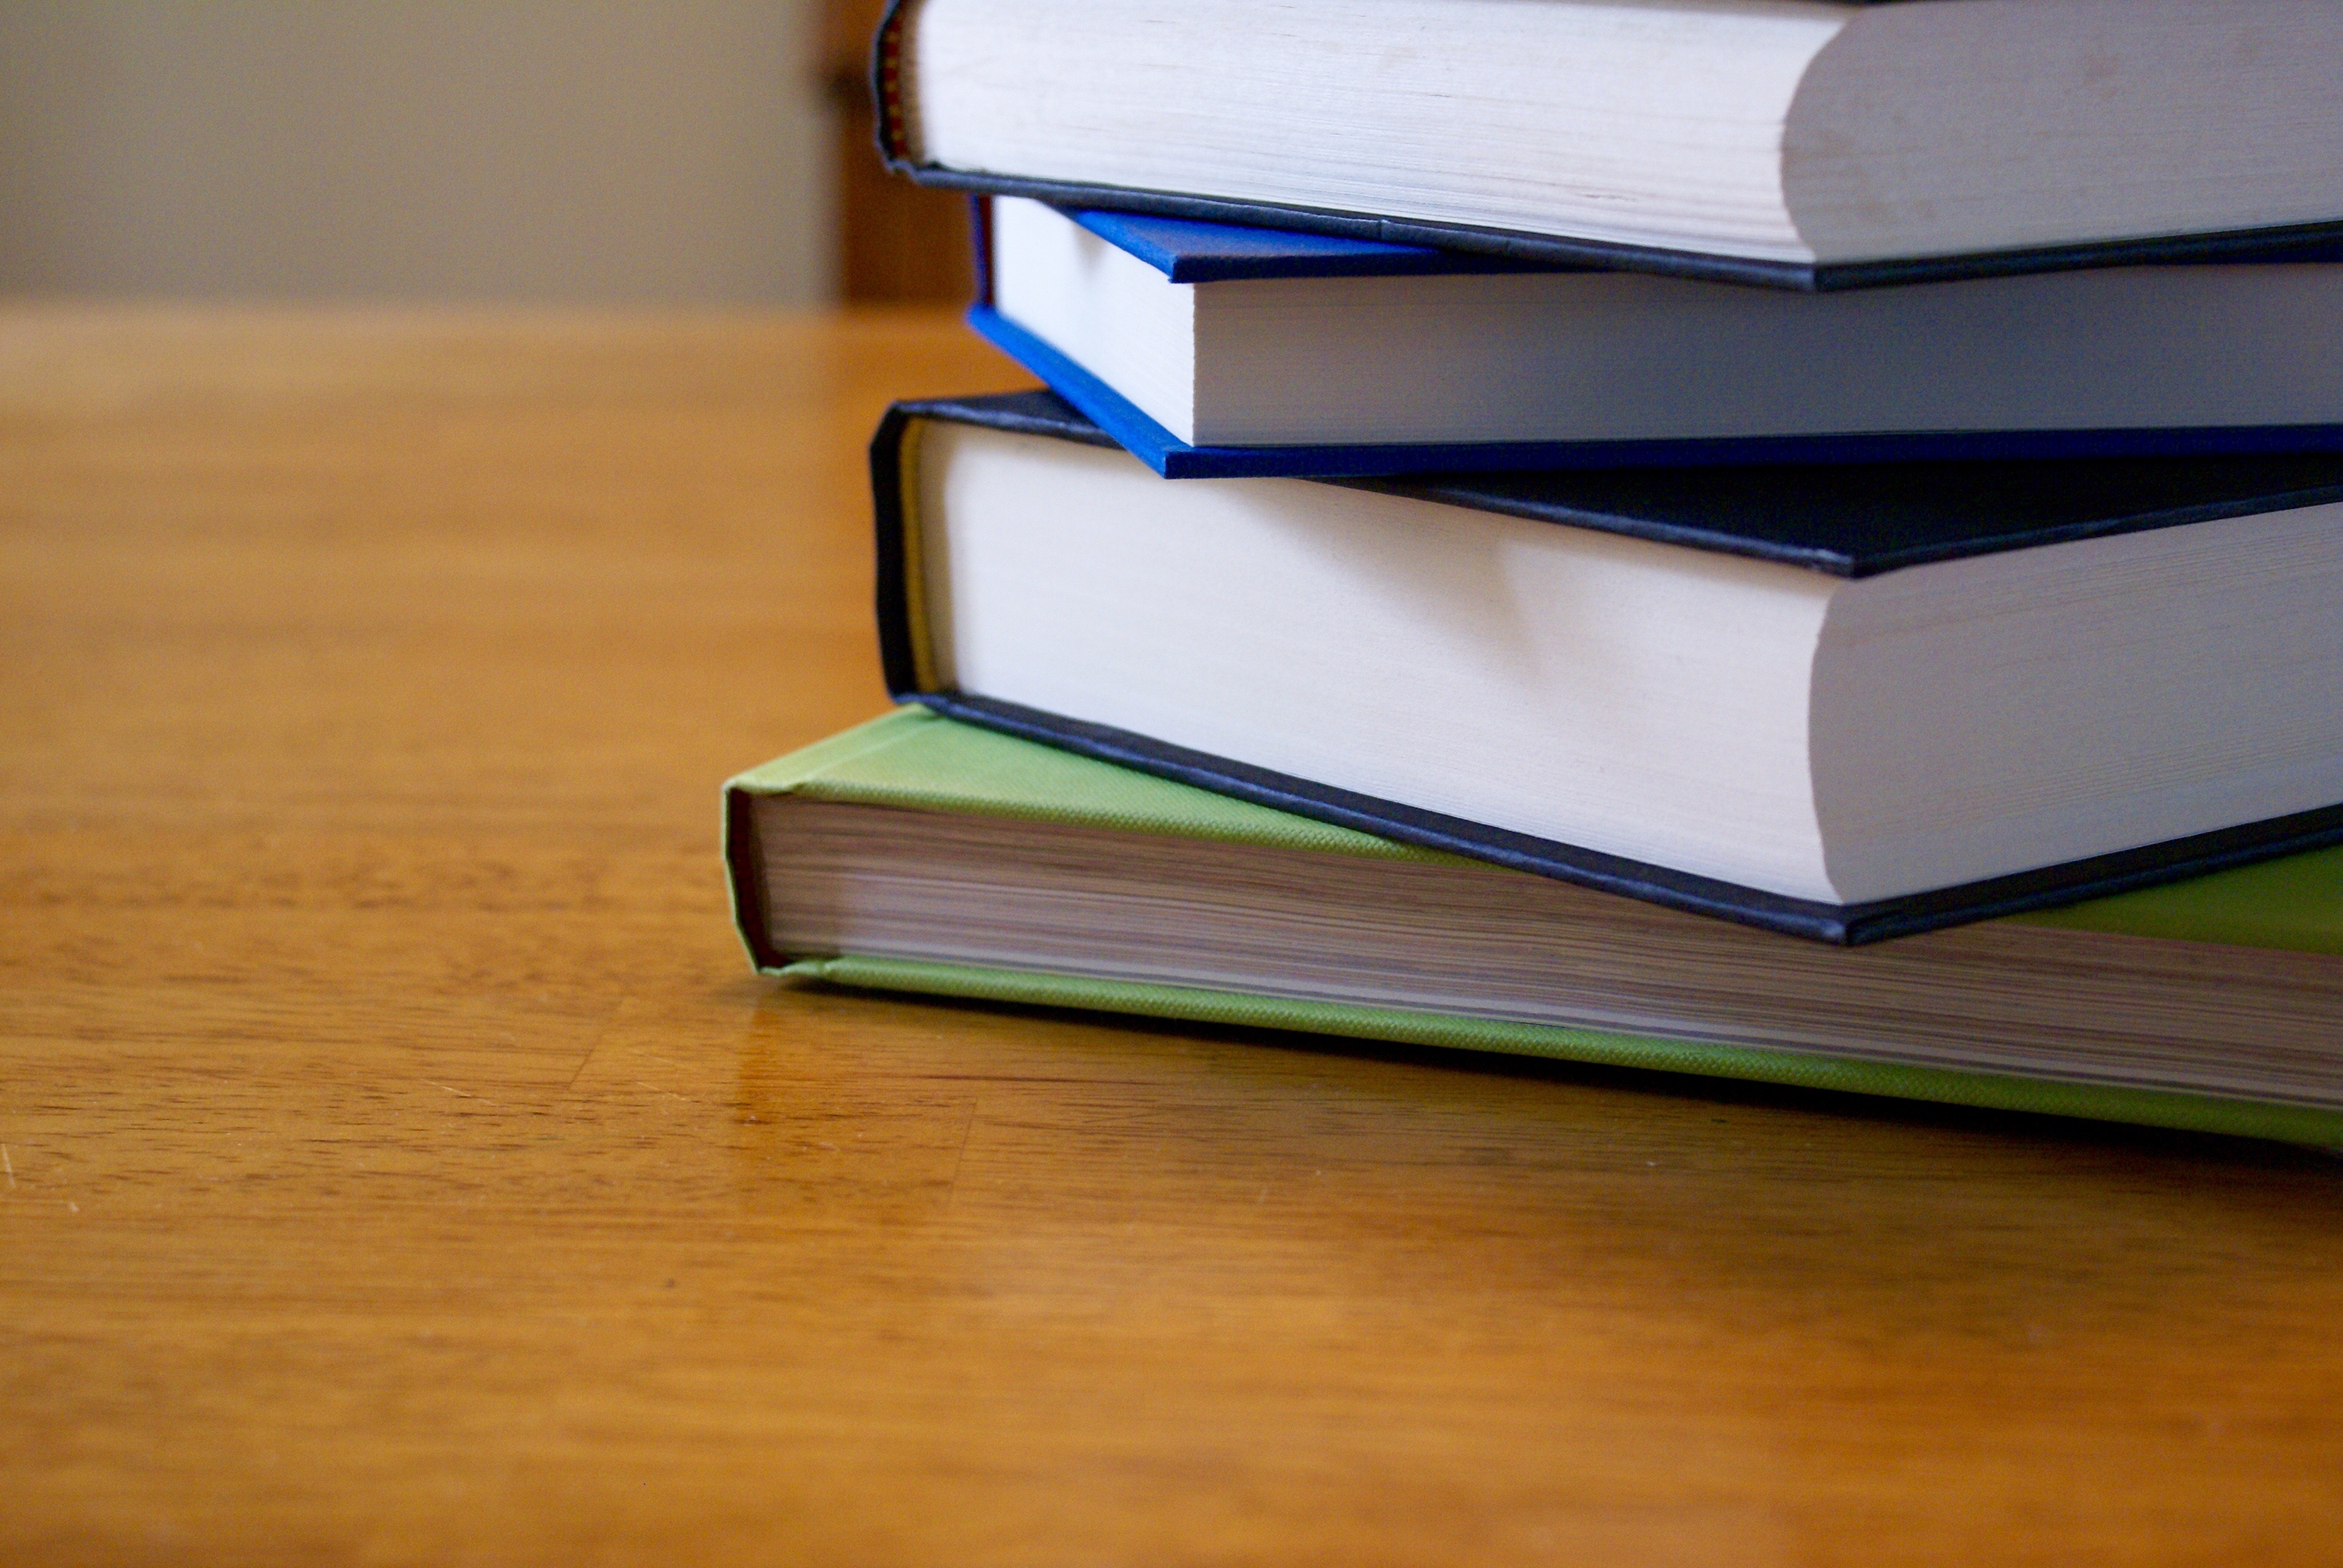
(1846, 703)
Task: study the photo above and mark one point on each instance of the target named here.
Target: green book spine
(914, 760)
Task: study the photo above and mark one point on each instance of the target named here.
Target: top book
(1774, 140)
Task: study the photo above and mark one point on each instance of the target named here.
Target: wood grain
(402, 1165)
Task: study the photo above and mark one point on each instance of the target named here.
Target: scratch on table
(457, 1092)
(9, 1166)
(951, 1184)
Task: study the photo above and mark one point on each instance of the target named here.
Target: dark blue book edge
(1145, 438)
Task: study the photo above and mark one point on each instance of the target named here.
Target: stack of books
(1788, 541)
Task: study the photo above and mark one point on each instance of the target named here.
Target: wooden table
(402, 1165)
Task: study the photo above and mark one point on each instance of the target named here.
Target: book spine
(744, 864)
(894, 496)
(980, 247)
(888, 86)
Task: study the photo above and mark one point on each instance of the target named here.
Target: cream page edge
(1652, 746)
(1652, 185)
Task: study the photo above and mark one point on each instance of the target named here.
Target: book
(1846, 701)
(1210, 350)
(1804, 144)
(918, 854)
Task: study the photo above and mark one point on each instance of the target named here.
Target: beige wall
(567, 150)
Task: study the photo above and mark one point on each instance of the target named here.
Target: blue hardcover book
(1214, 350)
(1845, 702)
(1806, 144)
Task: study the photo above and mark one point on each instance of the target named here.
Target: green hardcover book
(917, 854)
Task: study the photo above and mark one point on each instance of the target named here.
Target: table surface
(401, 1163)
